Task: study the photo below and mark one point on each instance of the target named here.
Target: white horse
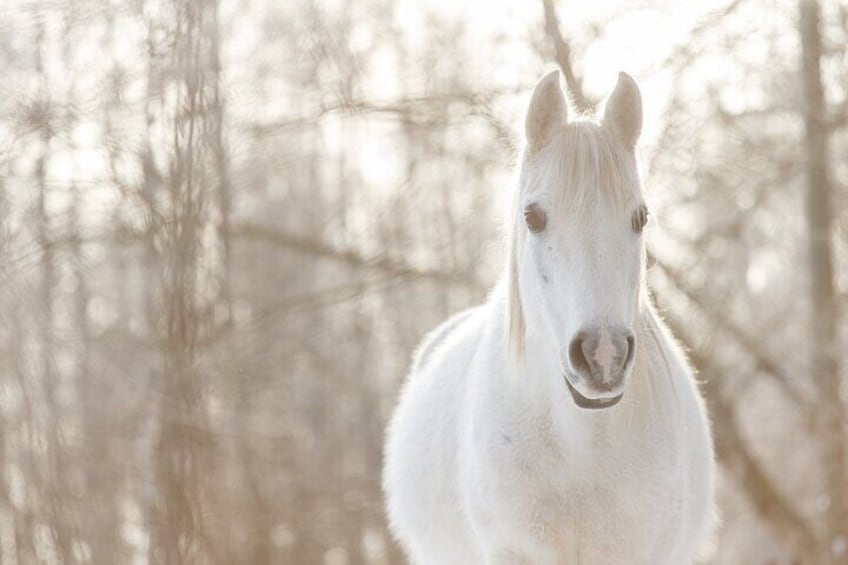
(558, 423)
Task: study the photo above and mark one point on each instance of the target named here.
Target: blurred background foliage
(225, 225)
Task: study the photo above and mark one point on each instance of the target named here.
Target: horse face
(581, 253)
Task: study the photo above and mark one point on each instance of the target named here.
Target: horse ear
(547, 110)
(623, 111)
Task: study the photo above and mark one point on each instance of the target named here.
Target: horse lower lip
(591, 403)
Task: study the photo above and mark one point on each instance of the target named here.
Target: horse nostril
(577, 355)
(631, 350)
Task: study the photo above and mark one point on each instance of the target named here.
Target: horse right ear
(623, 112)
(546, 113)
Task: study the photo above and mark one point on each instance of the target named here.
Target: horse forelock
(581, 163)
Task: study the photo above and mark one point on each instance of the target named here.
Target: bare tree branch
(424, 109)
(349, 257)
(764, 361)
(562, 56)
(776, 510)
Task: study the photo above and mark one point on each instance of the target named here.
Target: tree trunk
(824, 366)
(183, 448)
(55, 497)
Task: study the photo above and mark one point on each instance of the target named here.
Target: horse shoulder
(423, 505)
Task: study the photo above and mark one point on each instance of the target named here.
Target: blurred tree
(226, 226)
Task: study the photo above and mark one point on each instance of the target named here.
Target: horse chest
(593, 504)
(617, 513)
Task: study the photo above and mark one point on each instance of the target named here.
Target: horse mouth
(591, 403)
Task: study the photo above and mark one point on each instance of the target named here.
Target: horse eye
(535, 217)
(639, 219)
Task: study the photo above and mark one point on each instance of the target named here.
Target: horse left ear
(623, 111)
(546, 112)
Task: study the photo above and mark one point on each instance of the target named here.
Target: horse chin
(591, 403)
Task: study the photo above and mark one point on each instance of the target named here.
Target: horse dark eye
(639, 219)
(535, 217)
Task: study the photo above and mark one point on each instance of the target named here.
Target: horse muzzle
(596, 365)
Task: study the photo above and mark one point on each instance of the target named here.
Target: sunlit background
(224, 227)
